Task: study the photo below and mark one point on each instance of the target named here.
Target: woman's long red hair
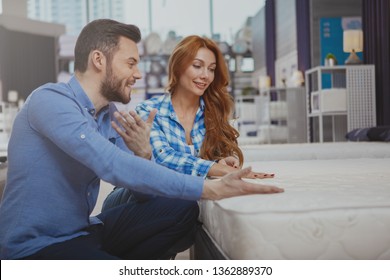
(221, 138)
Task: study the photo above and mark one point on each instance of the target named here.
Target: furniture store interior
(309, 81)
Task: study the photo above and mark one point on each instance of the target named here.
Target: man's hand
(135, 132)
(232, 185)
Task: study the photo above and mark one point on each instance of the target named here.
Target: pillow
(359, 134)
(379, 133)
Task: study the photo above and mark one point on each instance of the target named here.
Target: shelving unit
(276, 115)
(241, 74)
(250, 112)
(155, 74)
(65, 57)
(276, 122)
(286, 120)
(240, 82)
(347, 103)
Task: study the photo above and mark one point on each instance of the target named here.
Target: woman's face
(199, 74)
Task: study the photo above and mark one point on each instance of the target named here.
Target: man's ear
(98, 60)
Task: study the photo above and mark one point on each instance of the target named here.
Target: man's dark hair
(102, 35)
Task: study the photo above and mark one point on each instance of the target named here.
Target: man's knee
(189, 210)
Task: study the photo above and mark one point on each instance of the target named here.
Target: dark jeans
(121, 195)
(156, 229)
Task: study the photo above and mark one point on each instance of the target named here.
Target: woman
(191, 132)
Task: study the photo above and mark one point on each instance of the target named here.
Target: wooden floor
(183, 255)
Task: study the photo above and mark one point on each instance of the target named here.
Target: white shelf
(344, 113)
(276, 115)
(360, 111)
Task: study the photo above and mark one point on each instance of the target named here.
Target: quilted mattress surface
(331, 209)
(310, 151)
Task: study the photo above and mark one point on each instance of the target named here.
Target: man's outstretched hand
(232, 185)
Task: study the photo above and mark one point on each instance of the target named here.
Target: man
(68, 137)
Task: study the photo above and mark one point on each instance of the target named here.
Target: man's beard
(111, 88)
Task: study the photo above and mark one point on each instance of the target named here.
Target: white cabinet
(339, 99)
(286, 120)
(276, 115)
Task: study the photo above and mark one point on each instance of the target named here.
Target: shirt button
(82, 136)
(89, 193)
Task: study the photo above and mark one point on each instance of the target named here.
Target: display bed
(310, 151)
(331, 209)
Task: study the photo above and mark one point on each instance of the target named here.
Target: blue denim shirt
(57, 155)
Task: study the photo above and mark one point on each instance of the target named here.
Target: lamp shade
(353, 40)
(297, 79)
(264, 82)
(13, 96)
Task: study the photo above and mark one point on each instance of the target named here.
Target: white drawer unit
(276, 115)
(341, 103)
(329, 100)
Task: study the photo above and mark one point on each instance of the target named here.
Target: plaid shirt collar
(166, 107)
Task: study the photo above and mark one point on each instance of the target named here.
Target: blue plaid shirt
(168, 137)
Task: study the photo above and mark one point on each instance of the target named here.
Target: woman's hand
(234, 162)
(259, 175)
(222, 168)
(230, 161)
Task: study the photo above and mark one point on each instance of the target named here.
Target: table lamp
(353, 43)
(264, 82)
(13, 96)
(297, 79)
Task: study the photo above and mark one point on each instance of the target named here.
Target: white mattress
(309, 151)
(331, 209)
